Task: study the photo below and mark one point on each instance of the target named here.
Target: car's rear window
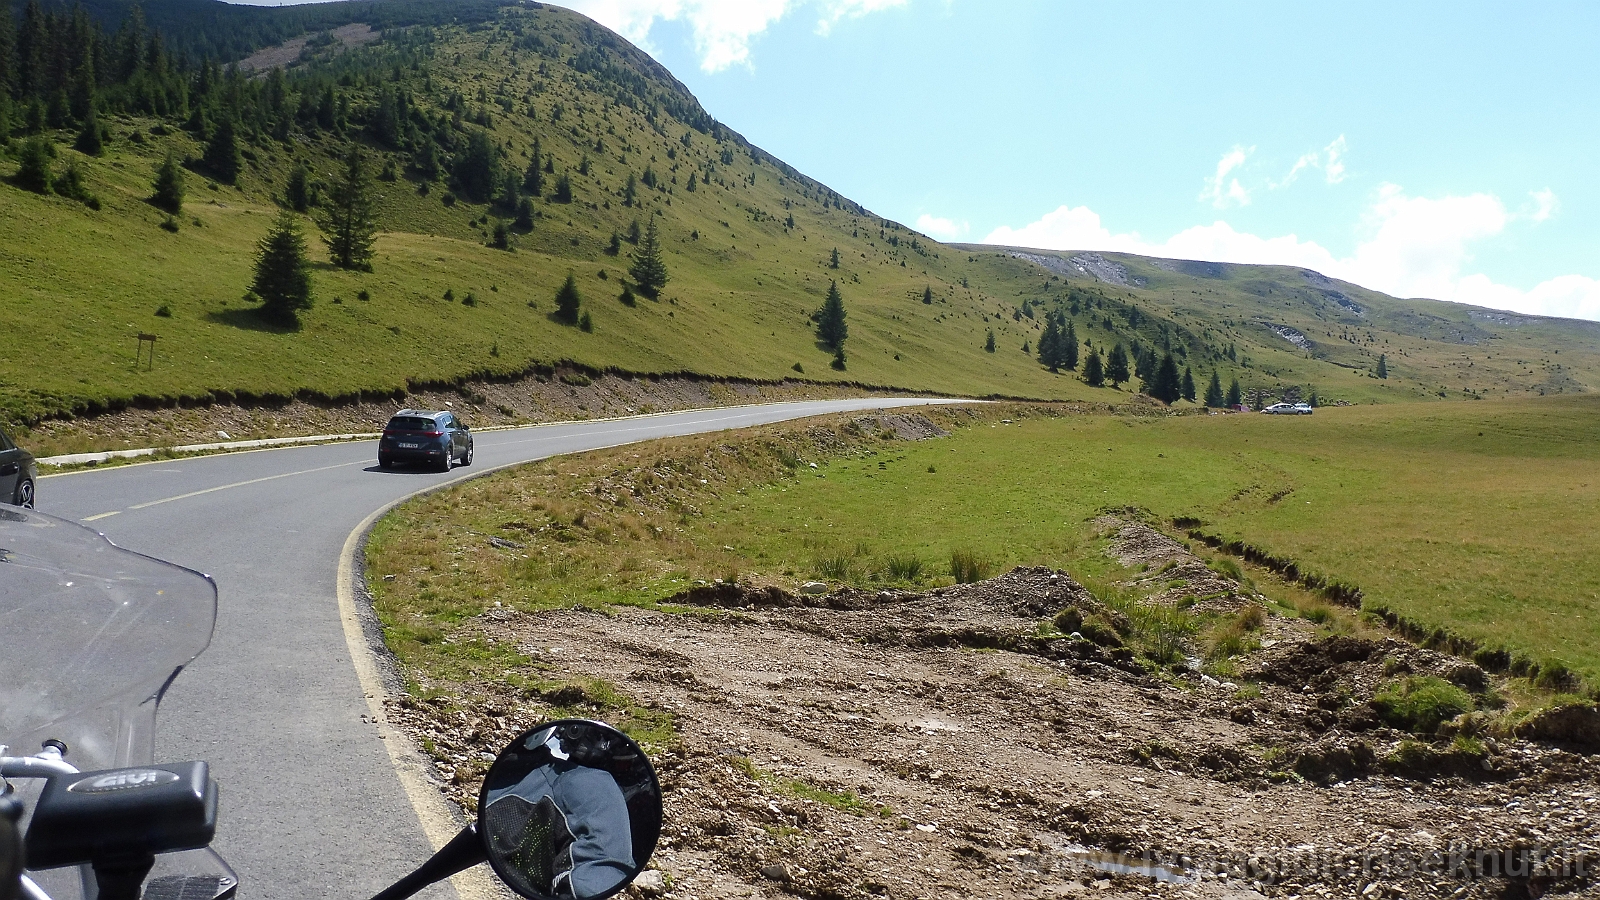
(411, 423)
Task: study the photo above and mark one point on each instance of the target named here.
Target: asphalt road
(311, 804)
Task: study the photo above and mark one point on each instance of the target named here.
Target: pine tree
(34, 173)
(563, 192)
(1050, 345)
(1069, 348)
(502, 236)
(1187, 385)
(630, 191)
(833, 260)
(524, 221)
(477, 167)
(168, 186)
(1093, 374)
(585, 323)
(89, 137)
(1235, 396)
(649, 271)
(988, 343)
(1214, 398)
(352, 223)
(615, 247)
(283, 276)
(1117, 366)
(297, 192)
(831, 327)
(533, 178)
(927, 294)
(1383, 365)
(222, 153)
(627, 296)
(568, 301)
(1164, 384)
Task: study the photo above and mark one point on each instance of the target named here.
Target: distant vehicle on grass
(1288, 409)
(18, 473)
(438, 439)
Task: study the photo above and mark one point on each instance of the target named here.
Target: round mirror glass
(570, 811)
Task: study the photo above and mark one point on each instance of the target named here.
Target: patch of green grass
(845, 801)
(1420, 703)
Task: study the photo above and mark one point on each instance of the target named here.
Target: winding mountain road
(312, 805)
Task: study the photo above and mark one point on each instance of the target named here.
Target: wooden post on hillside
(139, 351)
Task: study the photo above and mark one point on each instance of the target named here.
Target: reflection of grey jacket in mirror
(582, 847)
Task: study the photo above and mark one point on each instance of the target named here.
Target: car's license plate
(409, 446)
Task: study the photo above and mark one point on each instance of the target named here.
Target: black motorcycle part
(122, 814)
(10, 845)
(464, 851)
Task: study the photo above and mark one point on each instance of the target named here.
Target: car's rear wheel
(385, 462)
(25, 494)
(445, 461)
(466, 458)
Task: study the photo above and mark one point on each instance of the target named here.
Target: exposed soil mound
(950, 743)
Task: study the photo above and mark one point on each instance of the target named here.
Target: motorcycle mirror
(571, 810)
(10, 845)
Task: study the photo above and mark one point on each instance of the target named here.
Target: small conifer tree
(1187, 385)
(1235, 396)
(525, 215)
(501, 239)
(282, 274)
(563, 192)
(352, 222)
(1094, 374)
(168, 186)
(927, 294)
(1069, 348)
(1116, 370)
(568, 301)
(833, 259)
(1383, 365)
(988, 343)
(649, 271)
(222, 153)
(34, 173)
(615, 247)
(297, 191)
(634, 233)
(533, 178)
(1050, 345)
(627, 297)
(831, 327)
(1165, 384)
(90, 140)
(1214, 398)
(585, 323)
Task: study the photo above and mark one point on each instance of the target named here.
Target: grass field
(1469, 517)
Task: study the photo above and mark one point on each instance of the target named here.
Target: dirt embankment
(953, 743)
(564, 395)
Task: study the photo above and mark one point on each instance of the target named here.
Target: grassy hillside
(749, 248)
(1461, 516)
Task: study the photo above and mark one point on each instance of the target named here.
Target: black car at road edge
(19, 474)
(435, 438)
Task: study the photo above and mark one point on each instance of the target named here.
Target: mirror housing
(571, 810)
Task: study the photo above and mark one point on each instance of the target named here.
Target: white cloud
(833, 11)
(1221, 190)
(1410, 247)
(1545, 205)
(1329, 159)
(1334, 167)
(722, 29)
(941, 228)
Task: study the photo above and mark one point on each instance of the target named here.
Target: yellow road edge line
(99, 517)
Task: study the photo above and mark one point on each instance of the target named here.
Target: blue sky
(1437, 150)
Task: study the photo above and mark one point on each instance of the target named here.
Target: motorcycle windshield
(90, 637)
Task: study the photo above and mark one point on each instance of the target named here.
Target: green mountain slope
(749, 244)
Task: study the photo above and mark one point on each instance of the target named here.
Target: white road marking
(224, 487)
(101, 516)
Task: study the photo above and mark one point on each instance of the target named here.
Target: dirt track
(934, 744)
